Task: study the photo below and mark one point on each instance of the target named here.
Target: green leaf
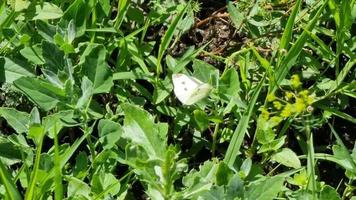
(105, 184)
(81, 165)
(87, 92)
(287, 33)
(287, 157)
(16, 119)
(286, 64)
(229, 84)
(140, 128)
(198, 182)
(201, 119)
(205, 72)
(264, 189)
(94, 66)
(110, 132)
(33, 54)
(10, 186)
(122, 9)
(168, 37)
(162, 89)
(19, 5)
(77, 188)
(329, 193)
(53, 56)
(11, 70)
(235, 15)
(41, 92)
(240, 131)
(78, 11)
(45, 11)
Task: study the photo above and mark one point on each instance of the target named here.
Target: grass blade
(37, 130)
(168, 37)
(292, 55)
(239, 133)
(122, 9)
(339, 142)
(9, 185)
(336, 112)
(287, 33)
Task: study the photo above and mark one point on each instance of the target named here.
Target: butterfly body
(188, 89)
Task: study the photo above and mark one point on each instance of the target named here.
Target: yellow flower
(303, 93)
(299, 105)
(264, 113)
(275, 120)
(310, 100)
(289, 95)
(287, 111)
(277, 105)
(271, 97)
(295, 81)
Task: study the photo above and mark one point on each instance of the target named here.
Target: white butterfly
(188, 89)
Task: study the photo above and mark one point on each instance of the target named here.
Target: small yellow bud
(287, 111)
(271, 97)
(289, 95)
(264, 113)
(299, 105)
(295, 81)
(277, 105)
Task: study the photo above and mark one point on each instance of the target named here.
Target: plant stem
(215, 134)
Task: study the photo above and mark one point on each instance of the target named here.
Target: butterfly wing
(188, 89)
(200, 93)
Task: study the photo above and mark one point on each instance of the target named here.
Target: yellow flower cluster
(293, 102)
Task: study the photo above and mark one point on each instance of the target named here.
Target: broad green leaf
(94, 66)
(162, 89)
(45, 11)
(33, 54)
(140, 128)
(201, 119)
(205, 72)
(235, 15)
(16, 119)
(87, 92)
(329, 193)
(10, 152)
(110, 132)
(229, 84)
(20, 5)
(81, 165)
(44, 94)
(53, 56)
(11, 70)
(197, 182)
(77, 188)
(105, 184)
(265, 189)
(287, 157)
